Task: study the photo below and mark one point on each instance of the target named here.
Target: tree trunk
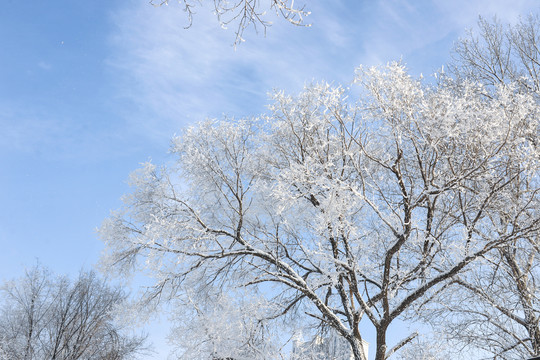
(28, 349)
(525, 296)
(358, 349)
(380, 353)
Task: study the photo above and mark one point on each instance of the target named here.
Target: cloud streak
(180, 75)
(174, 76)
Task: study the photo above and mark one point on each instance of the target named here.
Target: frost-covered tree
(48, 317)
(485, 309)
(245, 13)
(500, 53)
(330, 210)
(224, 326)
(496, 307)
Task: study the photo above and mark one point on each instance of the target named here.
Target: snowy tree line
(43, 316)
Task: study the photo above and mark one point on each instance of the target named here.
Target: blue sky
(90, 89)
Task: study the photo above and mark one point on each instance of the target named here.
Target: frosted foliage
(429, 348)
(244, 14)
(335, 210)
(230, 326)
(3, 353)
(492, 310)
(496, 314)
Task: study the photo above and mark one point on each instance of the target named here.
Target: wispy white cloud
(53, 137)
(464, 14)
(422, 32)
(174, 76)
(181, 75)
(27, 132)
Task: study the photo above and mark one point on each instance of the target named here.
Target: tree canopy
(496, 307)
(329, 211)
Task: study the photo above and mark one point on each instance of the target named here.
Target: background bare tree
(245, 13)
(500, 53)
(497, 307)
(48, 317)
